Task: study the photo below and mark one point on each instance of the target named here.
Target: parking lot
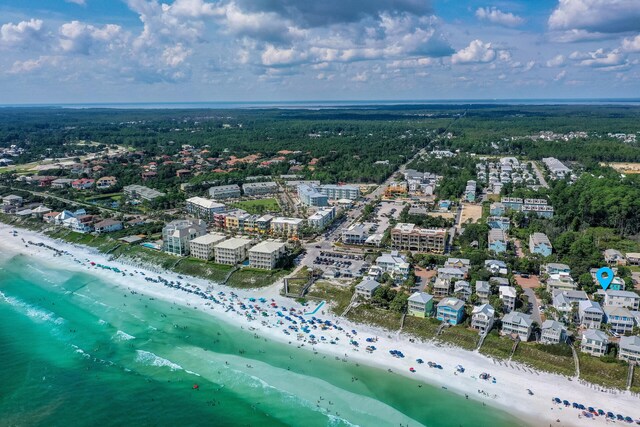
(386, 210)
(337, 264)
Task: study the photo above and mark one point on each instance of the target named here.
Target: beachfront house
(482, 318)
(564, 301)
(483, 290)
(462, 290)
(12, 200)
(450, 310)
(626, 299)
(107, 226)
(594, 342)
(539, 243)
(630, 349)
(552, 332)
(420, 304)
(590, 314)
(441, 287)
(495, 266)
(366, 288)
(508, 295)
(619, 319)
(177, 234)
(517, 324)
(497, 241)
(614, 257)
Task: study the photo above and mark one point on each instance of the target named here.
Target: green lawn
(200, 268)
(424, 329)
(496, 346)
(368, 314)
(555, 358)
(597, 371)
(247, 278)
(460, 336)
(258, 206)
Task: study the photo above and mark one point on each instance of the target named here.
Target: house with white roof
(516, 323)
(231, 251)
(462, 289)
(495, 266)
(482, 318)
(555, 268)
(561, 281)
(265, 255)
(614, 257)
(508, 295)
(441, 287)
(552, 332)
(590, 314)
(630, 349)
(594, 342)
(395, 265)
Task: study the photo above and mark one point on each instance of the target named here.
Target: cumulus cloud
(78, 2)
(596, 16)
(560, 76)
(476, 52)
(78, 37)
(30, 65)
(601, 58)
(21, 35)
(631, 44)
(498, 17)
(556, 61)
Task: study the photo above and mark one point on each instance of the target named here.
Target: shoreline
(508, 394)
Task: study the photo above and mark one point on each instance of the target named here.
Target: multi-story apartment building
(409, 237)
(265, 255)
(224, 192)
(202, 247)
(140, 192)
(258, 188)
(322, 218)
(310, 196)
(177, 234)
(336, 192)
(232, 251)
(286, 227)
(203, 208)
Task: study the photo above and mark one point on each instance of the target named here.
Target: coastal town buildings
(482, 318)
(594, 342)
(420, 304)
(265, 255)
(202, 247)
(222, 192)
(450, 310)
(517, 324)
(409, 237)
(232, 251)
(177, 234)
(203, 208)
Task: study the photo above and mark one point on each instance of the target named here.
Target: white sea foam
(102, 322)
(148, 358)
(32, 311)
(123, 336)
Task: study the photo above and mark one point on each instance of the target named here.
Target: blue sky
(68, 51)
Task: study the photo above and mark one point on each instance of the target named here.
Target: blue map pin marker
(604, 281)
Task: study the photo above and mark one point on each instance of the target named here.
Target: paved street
(538, 172)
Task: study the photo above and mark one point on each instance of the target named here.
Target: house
(555, 268)
(590, 314)
(594, 342)
(232, 251)
(107, 226)
(420, 304)
(450, 310)
(106, 182)
(633, 258)
(497, 209)
(508, 295)
(460, 263)
(462, 290)
(630, 349)
(626, 299)
(539, 243)
(441, 287)
(82, 184)
(50, 217)
(366, 288)
(552, 332)
(40, 211)
(449, 273)
(177, 234)
(499, 222)
(561, 281)
(564, 300)
(482, 318)
(619, 319)
(203, 247)
(395, 265)
(483, 290)
(265, 255)
(497, 241)
(518, 324)
(614, 257)
(494, 266)
(12, 200)
(499, 281)
(79, 224)
(61, 182)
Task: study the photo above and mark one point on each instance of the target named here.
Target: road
(535, 311)
(538, 172)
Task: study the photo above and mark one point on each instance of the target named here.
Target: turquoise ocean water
(75, 351)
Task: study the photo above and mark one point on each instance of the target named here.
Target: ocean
(77, 351)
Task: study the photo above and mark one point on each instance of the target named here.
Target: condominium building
(224, 192)
(336, 192)
(232, 251)
(203, 208)
(310, 196)
(140, 192)
(265, 255)
(202, 247)
(409, 237)
(177, 234)
(322, 218)
(287, 227)
(258, 188)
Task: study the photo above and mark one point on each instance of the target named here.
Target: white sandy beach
(509, 393)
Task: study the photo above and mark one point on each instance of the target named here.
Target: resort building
(409, 237)
(286, 227)
(482, 318)
(508, 295)
(619, 319)
(630, 349)
(483, 290)
(107, 226)
(140, 192)
(539, 243)
(420, 304)
(552, 332)
(517, 324)
(204, 208)
(259, 188)
(450, 310)
(497, 241)
(594, 342)
(590, 314)
(265, 255)
(232, 251)
(202, 247)
(356, 234)
(366, 288)
(224, 192)
(626, 299)
(336, 192)
(310, 196)
(322, 218)
(177, 234)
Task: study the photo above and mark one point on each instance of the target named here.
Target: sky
(92, 51)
